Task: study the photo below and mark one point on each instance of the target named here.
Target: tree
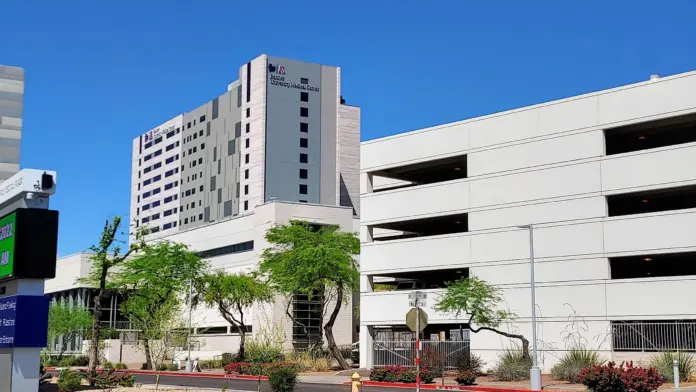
(313, 261)
(481, 301)
(232, 294)
(153, 282)
(105, 255)
(67, 322)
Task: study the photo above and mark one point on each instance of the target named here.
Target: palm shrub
(573, 361)
(664, 363)
(512, 366)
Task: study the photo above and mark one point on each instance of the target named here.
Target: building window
(202, 146)
(238, 129)
(304, 142)
(215, 108)
(248, 112)
(186, 221)
(303, 201)
(189, 125)
(246, 189)
(246, 205)
(303, 173)
(304, 127)
(246, 174)
(653, 335)
(247, 126)
(202, 118)
(219, 195)
(200, 161)
(304, 80)
(303, 189)
(304, 112)
(224, 250)
(304, 158)
(200, 133)
(246, 143)
(246, 158)
(230, 147)
(304, 96)
(201, 188)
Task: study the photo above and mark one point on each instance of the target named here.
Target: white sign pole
(417, 347)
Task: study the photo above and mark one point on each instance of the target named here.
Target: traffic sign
(416, 303)
(412, 319)
(417, 295)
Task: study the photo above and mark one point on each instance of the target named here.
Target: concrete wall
(544, 165)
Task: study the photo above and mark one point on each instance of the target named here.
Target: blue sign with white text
(23, 321)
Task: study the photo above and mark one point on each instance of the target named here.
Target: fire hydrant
(355, 378)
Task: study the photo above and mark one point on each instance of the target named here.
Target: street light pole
(534, 372)
(189, 368)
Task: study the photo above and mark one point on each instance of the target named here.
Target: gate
(445, 355)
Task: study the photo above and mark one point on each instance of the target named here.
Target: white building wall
(545, 165)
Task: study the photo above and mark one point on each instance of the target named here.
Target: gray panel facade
(11, 107)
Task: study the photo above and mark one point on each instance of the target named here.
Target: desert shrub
(65, 362)
(573, 361)
(52, 362)
(109, 379)
(256, 369)
(315, 362)
(107, 365)
(69, 380)
(80, 360)
(432, 359)
(120, 366)
(465, 377)
(144, 367)
(612, 378)
(401, 374)
(173, 367)
(471, 362)
(512, 366)
(282, 378)
(211, 364)
(162, 367)
(664, 363)
(266, 346)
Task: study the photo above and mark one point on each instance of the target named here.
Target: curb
(472, 388)
(180, 374)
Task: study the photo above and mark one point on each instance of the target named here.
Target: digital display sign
(28, 244)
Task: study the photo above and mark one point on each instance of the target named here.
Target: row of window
(151, 193)
(193, 136)
(171, 185)
(224, 250)
(152, 180)
(153, 167)
(172, 159)
(152, 155)
(171, 146)
(152, 143)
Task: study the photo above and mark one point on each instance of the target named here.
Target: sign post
(28, 248)
(417, 320)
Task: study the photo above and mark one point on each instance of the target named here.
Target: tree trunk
(148, 355)
(521, 338)
(96, 315)
(328, 330)
(241, 355)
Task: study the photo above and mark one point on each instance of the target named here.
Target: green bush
(283, 379)
(121, 366)
(573, 361)
(107, 365)
(472, 362)
(69, 380)
(65, 362)
(163, 367)
(664, 363)
(211, 364)
(173, 367)
(80, 360)
(229, 358)
(512, 366)
(465, 377)
(52, 362)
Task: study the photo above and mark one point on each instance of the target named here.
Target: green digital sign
(8, 225)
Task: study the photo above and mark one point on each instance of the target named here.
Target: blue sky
(99, 73)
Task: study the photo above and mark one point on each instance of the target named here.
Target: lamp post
(534, 372)
(189, 368)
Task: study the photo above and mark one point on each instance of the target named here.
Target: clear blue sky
(99, 73)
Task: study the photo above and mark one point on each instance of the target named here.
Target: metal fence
(445, 355)
(653, 336)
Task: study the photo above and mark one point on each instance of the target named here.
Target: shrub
(144, 367)
(210, 364)
(80, 360)
(52, 362)
(121, 366)
(664, 363)
(266, 345)
(465, 377)
(109, 379)
(572, 362)
(471, 362)
(107, 365)
(228, 358)
(315, 362)
(432, 359)
(65, 362)
(401, 374)
(69, 380)
(255, 369)
(173, 367)
(512, 366)
(162, 367)
(612, 378)
(283, 378)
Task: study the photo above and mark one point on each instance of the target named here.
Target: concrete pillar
(366, 342)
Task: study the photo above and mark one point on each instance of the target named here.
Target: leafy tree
(481, 301)
(313, 261)
(153, 281)
(105, 256)
(232, 294)
(67, 322)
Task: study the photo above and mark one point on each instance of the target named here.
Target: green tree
(105, 256)
(314, 261)
(482, 303)
(153, 281)
(232, 294)
(67, 322)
